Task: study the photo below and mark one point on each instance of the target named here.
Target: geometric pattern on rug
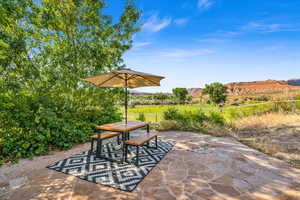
(124, 176)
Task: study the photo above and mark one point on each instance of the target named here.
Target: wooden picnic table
(121, 127)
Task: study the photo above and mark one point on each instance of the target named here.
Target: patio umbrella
(125, 78)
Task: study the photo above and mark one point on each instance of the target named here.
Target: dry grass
(277, 134)
(267, 121)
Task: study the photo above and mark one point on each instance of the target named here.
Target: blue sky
(194, 42)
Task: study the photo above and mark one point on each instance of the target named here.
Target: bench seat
(139, 141)
(105, 135)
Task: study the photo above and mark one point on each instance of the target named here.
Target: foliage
(297, 97)
(154, 99)
(155, 113)
(263, 98)
(284, 106)
(180, 95)
(45, 48)
(216, 118)
(168, 125)
(171, 114)
(189, 120)
(216, 92)
(141, 117)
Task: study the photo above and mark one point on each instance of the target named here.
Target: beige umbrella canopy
(125, 78)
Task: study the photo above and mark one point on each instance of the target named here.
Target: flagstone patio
(199, 167)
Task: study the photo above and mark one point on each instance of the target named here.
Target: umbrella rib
(148, 80)
(131, 77)
(107, 80)
(118, 75)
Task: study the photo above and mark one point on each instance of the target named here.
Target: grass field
(155, 113)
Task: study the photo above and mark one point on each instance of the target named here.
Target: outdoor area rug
(124, 176)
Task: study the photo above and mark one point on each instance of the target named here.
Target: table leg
(123, 145)
(148, 128)
(98, 146)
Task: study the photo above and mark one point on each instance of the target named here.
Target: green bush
(141, 117)
(33, 125)
(216, 118)
(189, 120)
(198, 116)
(297, 97)
(167, 125)
(171, 114)
(182, 117)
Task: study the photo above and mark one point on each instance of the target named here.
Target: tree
(180, 95)
(160, 97)
(189, 99)
(217, 92)
(46, 46)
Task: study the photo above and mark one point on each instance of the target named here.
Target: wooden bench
(137, 142)
(103, 136)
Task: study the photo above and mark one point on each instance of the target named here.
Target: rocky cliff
(256, 87)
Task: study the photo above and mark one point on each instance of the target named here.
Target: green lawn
(154, 113)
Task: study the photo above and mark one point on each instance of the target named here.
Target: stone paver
(225, 169)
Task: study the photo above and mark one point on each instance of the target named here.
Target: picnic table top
(122, 126)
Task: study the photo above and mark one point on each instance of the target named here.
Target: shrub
(171, 114)
(216, 118)
(297, 97)
(184, 118)
(167, 125)
(198, 116)
(263, 98)
(189, 120)
(141, 117)
(33, 125)
(283, 106)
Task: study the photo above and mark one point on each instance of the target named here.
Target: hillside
(256, 87)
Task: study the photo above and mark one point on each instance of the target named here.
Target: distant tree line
(178, 96)
(216, 94)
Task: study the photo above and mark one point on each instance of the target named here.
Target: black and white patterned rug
(124, 176)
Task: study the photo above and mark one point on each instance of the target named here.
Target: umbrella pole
(126, 100)
(126, 105)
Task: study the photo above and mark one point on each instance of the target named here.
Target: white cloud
(181, 21)
(169, 54)
(267, 28)
(141, 44)
(257, 27)
(204, 4)
(185, 53)
(254, 26)
(155, 24)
